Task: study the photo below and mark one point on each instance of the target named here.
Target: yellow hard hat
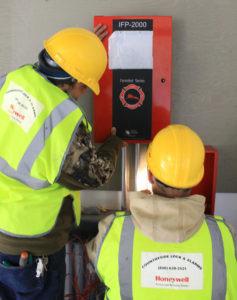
(176, 157)
(80, 53)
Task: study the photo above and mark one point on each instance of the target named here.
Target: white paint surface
(226, 207)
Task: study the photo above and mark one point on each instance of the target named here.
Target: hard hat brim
(94, 87)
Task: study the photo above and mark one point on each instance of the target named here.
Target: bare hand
(113, 132)
(146, 191)
(100, 31)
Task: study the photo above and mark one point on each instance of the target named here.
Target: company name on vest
(171, 279)
(154, 259)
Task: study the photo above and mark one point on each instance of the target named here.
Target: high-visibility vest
(38, 121)
(133, 266)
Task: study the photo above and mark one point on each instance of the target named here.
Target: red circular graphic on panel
(130, 94)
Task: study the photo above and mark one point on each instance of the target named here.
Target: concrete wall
(204, 73)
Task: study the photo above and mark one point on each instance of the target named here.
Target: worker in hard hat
(46, 158)
(167, 248)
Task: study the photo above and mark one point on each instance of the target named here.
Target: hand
(113, 132)
(146, 191)
(100, 31)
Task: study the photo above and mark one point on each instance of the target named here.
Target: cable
(91, 283)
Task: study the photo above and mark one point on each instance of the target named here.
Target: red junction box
(207, 187)
(161, 81)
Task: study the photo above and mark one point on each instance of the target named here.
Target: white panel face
(131, 50)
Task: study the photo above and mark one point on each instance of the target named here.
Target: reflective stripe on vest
(2, 80)
(23, 171)
(218, 260)
(125, 260)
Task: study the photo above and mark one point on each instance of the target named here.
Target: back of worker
(46, 157)
(133, 266)
(167, 248)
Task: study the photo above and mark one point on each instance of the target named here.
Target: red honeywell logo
(171, 279)
(16, 113)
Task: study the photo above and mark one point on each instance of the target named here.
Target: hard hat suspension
(52, 70)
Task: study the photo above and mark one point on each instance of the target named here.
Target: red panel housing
(207, 187)
(161, 80)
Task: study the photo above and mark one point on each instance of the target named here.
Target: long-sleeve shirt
(84, 168)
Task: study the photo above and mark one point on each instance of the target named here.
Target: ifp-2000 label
(132, 24)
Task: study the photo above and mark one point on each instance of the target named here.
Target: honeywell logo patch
(177, 271)
(171, 279)
(21, 107)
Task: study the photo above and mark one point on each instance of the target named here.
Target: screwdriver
(23, 259)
